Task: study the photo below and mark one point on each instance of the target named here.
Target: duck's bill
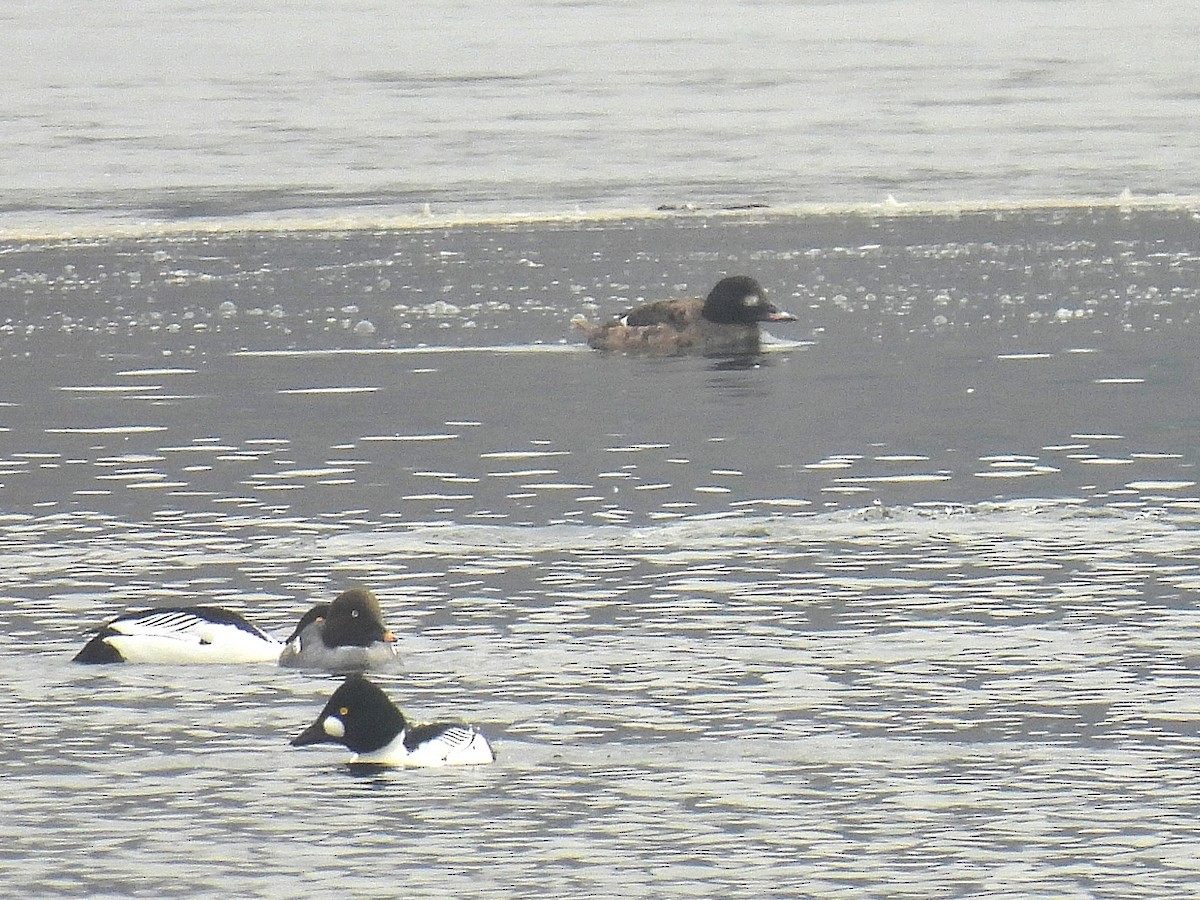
(780, 316)
(313, 734)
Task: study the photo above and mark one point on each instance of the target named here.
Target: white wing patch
(456, 746)
(171, 622)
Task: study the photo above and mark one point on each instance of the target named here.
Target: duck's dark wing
(423, 733)
(218, 616)
(178, 621)
(675, 313)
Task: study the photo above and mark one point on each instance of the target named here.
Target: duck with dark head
(725, 323)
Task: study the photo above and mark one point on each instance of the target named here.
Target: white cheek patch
(334, 727)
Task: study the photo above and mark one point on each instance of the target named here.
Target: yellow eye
(343, 711)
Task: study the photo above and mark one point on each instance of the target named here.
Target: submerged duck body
(724, 323)
(180, 634)
(346, 635)
(360, 717)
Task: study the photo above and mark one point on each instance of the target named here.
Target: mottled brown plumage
(724, 323)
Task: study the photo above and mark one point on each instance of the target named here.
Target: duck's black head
(359, 715)
(741, 300)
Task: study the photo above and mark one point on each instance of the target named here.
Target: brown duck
(724, 323)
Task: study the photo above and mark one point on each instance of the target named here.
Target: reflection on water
(908, 602)
(277, 436)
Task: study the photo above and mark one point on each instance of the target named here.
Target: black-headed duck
(723, 323)
(343, 636)
(361, 717)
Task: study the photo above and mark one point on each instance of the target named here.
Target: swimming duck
(725, 323)
(179, 634)
(345, 635)
(360, 717)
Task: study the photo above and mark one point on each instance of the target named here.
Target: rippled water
(992, 702)
(905, 606)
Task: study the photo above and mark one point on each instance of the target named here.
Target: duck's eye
(354, 613)
(752, 300)
(343, 710)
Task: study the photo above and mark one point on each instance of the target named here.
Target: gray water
(161, 110)
(903, 607)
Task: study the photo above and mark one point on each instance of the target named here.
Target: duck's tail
(590, 329)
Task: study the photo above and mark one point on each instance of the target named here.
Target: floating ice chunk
(441, 308)
(1160, 485)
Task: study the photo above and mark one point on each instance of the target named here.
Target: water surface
(908, 600)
